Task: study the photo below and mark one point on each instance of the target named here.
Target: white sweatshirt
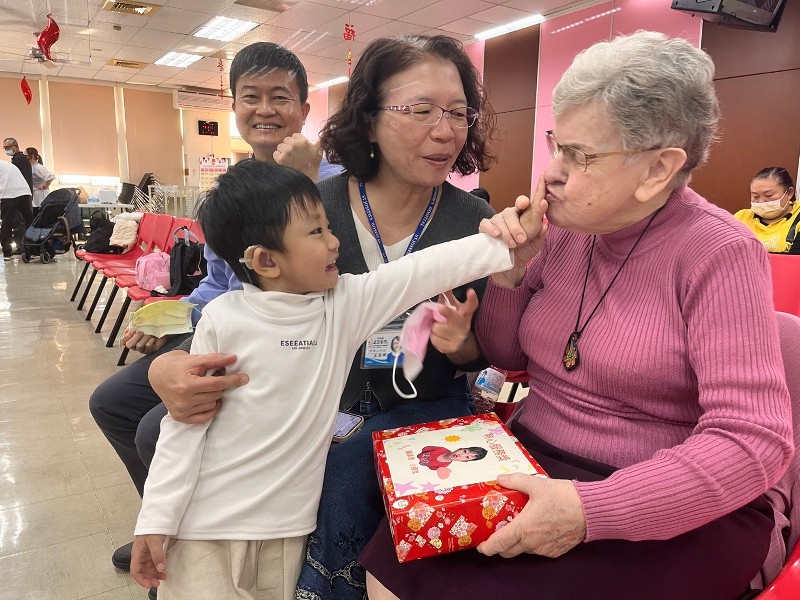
(255, 472)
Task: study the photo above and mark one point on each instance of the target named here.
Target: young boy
(238, 497)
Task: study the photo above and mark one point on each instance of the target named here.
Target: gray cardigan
(458, 215)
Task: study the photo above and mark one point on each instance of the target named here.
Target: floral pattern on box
(439, 483)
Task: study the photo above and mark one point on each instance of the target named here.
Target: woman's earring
(372, 150)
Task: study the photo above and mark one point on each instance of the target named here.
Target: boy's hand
(451, 337)
(148, 560)
(297, 152)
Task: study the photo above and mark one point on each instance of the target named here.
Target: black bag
(100, 230)
(187, 265)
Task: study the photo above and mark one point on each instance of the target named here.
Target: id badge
(383, 346)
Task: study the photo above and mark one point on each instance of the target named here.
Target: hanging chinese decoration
(26, 90)
(349, 35)
(48, 36)
(221, 67)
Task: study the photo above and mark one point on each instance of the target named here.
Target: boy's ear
(263, 263)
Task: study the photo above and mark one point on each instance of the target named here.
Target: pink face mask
(414, 343)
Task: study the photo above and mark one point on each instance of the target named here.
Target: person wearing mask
(773, 215)
(270, 91)
(42, 177)
(14, 192)
(22, 214)
(661, 425)
(414, 111)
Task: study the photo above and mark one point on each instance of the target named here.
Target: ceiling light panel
(225, 29)
(178, 59)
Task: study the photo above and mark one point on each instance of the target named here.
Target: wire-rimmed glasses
(579, 158)
(427, 113)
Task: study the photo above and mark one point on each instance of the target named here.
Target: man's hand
(297, 152)
(180, 381)
(551, 523)
(148, 560)
(146, 344)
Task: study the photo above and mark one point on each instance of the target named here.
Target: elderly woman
(773, 215)
(660, 425)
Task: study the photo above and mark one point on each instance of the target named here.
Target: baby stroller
(50, 232)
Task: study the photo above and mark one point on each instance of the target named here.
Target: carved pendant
(571, 358)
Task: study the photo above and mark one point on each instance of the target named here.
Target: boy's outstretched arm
(148, 560)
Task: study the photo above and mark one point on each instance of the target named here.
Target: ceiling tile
(307, 16)
(544, 7)
(207, 6)
(445, 11)
(465, 27)
(464, 38)
(146, 55)
(177, 20)
(361, 23)
(146, 79)
(161, 71)
(108, 74)
(246, 13)
(77, 72)
(500, 15)
(392, 29)
(392, 9)
(158, 40)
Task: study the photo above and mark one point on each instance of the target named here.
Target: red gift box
(439, 483)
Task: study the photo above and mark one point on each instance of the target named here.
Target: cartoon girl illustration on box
(438, 458)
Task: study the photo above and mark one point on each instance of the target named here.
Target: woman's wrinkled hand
(190, 396)
(550, 524)
(523, 228)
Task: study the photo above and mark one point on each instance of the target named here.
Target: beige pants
(232, 569)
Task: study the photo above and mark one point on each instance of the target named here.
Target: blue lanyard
(417, 234)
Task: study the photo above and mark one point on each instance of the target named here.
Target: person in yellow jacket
(773, 215)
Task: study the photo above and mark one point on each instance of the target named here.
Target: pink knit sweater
(680, 382)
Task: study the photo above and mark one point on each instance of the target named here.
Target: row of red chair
(155, 234)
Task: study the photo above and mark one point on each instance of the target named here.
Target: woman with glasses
(660, 424)
(773, 215)
(413, 113)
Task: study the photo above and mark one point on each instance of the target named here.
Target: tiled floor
(65, 500)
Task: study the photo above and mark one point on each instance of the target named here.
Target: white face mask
(768, 210)
(10, 152)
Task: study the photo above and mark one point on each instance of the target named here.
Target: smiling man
(270, 100)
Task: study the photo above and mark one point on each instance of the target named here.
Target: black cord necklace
(571, 357)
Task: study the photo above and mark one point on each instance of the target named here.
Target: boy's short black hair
(251, 205)
(264, 57)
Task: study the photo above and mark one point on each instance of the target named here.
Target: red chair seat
(785, 275)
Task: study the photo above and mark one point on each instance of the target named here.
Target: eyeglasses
(573, 156)
(426, 113)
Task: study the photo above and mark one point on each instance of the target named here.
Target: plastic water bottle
(486, 389)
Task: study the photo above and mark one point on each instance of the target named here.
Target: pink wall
(475, 52)
(559, 47)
